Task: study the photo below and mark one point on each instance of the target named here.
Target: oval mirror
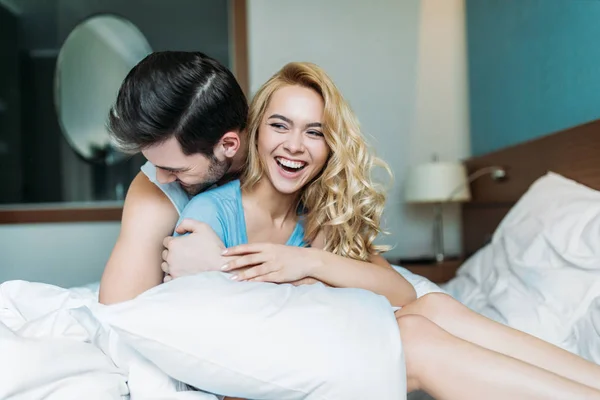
(91, 65)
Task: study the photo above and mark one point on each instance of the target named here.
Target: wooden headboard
(573, 153)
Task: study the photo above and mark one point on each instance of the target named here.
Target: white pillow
(564, 213)
(541, 272)
(267, 341)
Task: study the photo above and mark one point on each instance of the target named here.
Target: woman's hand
(266, 262)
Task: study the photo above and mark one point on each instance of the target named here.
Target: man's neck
(228, 177)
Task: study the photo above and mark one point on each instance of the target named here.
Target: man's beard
(216, 171)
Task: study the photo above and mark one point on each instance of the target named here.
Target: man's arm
(134, 265)
(198, 251)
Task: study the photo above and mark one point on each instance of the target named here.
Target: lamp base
(438, 234)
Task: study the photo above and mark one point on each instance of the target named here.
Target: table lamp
(437, 183)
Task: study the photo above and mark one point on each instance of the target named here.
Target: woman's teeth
(290, 165)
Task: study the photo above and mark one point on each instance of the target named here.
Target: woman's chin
(287, 188)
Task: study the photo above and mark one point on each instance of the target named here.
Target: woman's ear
(228, 145)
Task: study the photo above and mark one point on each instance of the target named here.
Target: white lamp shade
(437, 182)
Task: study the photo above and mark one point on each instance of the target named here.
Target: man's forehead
(166, 155)
(167, 162)
(164, 159)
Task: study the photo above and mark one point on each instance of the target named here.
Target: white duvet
(56, 344)
(53, 347)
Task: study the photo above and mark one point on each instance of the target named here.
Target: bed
(532, 240)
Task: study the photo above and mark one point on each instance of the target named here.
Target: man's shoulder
(142, 188)
(143, 194)
(147, 209)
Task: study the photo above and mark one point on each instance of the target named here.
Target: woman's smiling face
(291, 145)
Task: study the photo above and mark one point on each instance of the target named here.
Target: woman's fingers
(253, 273)
(245, 249)
(245, 261)
(270, 277)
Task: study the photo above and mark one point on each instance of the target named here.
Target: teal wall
(534, 68)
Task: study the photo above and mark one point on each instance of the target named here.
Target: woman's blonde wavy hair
(342, 200)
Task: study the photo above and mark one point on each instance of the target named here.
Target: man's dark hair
(187, 95)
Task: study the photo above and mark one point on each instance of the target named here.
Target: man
(186, 113)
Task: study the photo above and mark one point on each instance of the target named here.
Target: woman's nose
(294, 142)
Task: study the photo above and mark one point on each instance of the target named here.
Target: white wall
(402, 67)
(441, 121)
(67, 255)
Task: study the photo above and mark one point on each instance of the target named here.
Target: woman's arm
(266, 262)
(377, 276)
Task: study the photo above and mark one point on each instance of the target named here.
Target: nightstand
(437, 272)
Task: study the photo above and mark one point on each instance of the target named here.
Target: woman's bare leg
(460, 321)
(450, 368)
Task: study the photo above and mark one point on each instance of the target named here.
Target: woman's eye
(315, 133)
(278, 126)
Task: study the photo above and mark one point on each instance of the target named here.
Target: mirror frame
(103, 212)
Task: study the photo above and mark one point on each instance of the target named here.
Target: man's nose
(164, 177)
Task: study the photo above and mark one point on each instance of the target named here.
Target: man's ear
(228, 145)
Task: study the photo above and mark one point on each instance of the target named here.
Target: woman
(293, 175)
(307, 192)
